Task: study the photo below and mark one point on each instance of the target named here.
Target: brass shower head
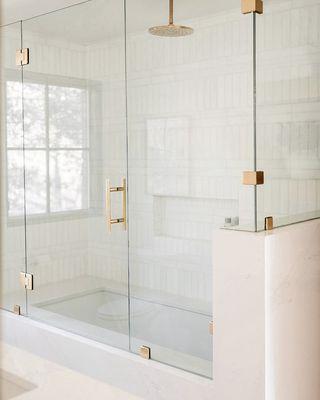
(171, 30)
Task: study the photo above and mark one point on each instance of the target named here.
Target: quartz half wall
(267, 313)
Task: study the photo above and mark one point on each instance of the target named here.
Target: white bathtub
(176, 336)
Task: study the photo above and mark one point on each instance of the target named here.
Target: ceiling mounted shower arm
(170, 30)
(170, 12)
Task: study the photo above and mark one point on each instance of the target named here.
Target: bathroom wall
(190, 136)
(189, 102)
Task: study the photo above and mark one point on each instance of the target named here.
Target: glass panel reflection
(34, 115)
(36, 176)
(68, 180)
(13, 96)
(15, 183)
(67, 116)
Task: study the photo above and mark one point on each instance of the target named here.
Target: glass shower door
(12, 235)
(190, 133)
(76, 165)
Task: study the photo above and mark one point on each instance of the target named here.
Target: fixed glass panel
(12, 171)
(288, 122)
(75, 139)
(191, 135)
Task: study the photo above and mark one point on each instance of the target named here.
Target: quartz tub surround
(267, 323)
(267, 313)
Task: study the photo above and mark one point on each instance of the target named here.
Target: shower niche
(122, 151)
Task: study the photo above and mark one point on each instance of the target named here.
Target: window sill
(47, 218)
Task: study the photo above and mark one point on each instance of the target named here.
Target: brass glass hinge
(17, 309)
(252, 6)
(253, 178)
(26, 280)
(22, 57)
(268, 223)
(145, 352)
(211, 328)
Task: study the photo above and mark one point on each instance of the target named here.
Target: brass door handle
(123, 190)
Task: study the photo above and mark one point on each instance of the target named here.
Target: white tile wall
(189, 139)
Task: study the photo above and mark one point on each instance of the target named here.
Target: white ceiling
(97, 19)
(15, 10)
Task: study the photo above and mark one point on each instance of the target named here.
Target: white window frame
(47, 81)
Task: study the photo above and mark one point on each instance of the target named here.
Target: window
(56, 156)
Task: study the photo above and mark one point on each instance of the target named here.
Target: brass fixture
(22, 57)
(17, 309)
(252, 6)
(145, 352)
(171, 30)
(26, 280)
(268, 224)
(211, 328)
(253, 178)
(117, 189)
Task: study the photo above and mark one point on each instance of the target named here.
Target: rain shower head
(171, 30)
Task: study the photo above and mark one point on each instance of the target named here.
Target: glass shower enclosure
(122, 151)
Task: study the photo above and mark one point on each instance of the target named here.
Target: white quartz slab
(293, 312)
(267, 313)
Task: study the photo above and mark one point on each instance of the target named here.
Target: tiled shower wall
(187, 99)
(190, 136)
(189, 139)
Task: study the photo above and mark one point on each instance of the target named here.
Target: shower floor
(176, 336)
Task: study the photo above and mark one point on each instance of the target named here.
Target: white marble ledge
(53, 381)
